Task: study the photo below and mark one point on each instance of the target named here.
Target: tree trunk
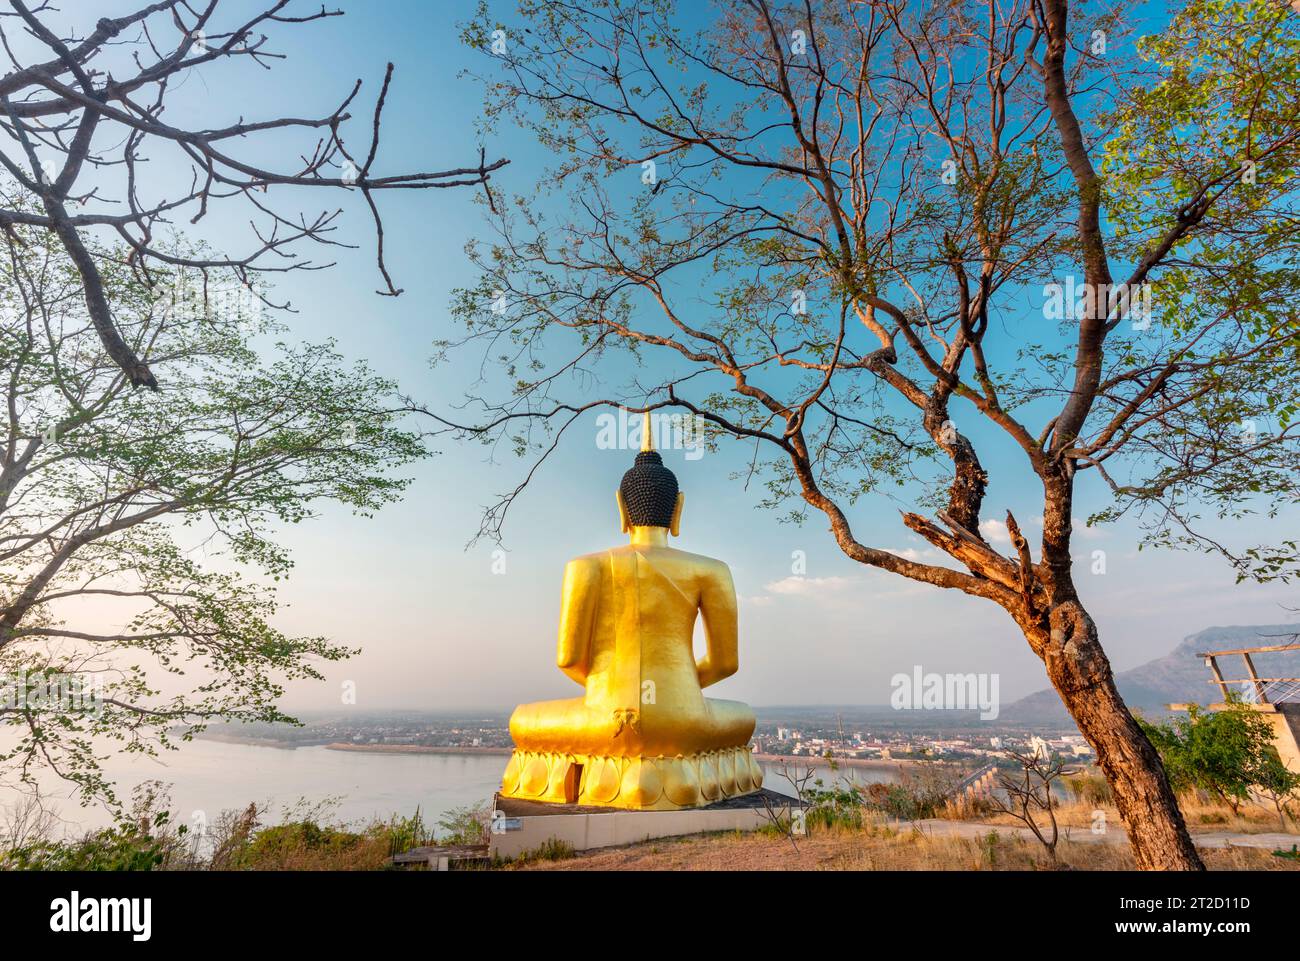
(1081, 674)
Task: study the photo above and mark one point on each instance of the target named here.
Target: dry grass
(1202, 817)
(986, 841)
(877, 849)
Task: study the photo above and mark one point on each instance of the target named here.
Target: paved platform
(527, 825)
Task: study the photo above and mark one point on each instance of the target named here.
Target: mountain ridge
(1180, 676)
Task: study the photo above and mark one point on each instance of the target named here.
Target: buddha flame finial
(647, 431)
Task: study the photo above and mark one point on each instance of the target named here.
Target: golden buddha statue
(643, 736)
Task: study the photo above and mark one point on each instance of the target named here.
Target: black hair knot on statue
(649, 491)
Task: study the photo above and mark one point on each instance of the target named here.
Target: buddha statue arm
(721, 628)
(577, 615)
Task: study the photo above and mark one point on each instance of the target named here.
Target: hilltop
(1180, 676)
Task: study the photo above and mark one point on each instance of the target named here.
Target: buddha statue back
(643, 735)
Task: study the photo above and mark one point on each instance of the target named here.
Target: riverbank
(222, 738)
(773, 759)
(858, 762)
(415, 749)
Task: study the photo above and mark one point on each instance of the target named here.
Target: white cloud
(807, 586)
(995, 532)
(1087, 533)
(910, 553)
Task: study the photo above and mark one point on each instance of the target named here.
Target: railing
(1253, 688)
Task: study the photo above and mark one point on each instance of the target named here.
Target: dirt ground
(879, 849)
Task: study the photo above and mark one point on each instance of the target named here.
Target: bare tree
(27, 821)
(815, 227)
(85, 114)
(1029, 794)
(1277, 784)
(790, 819)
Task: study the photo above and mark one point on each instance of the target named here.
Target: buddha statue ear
(624, 524)
(675, 528)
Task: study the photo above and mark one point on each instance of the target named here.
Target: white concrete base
(613, 828)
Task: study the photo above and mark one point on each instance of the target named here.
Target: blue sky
(439, 629)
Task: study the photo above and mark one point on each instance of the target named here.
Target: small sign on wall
(501, 824)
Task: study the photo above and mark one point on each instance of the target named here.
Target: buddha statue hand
(629, 719)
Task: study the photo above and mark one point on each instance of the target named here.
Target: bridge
(976, 784)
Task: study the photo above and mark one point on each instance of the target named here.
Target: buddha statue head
(648, 495)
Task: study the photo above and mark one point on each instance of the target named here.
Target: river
(208, 777)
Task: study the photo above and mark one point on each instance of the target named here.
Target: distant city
(865, 733)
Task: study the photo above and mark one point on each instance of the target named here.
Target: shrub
(125, 847)
(465, 825)
(298, 845)
(915, 796)
(309, 839)
(1224, 752)
(836, 806)
(1292, 855)
(145, 839)
(1089, 789)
